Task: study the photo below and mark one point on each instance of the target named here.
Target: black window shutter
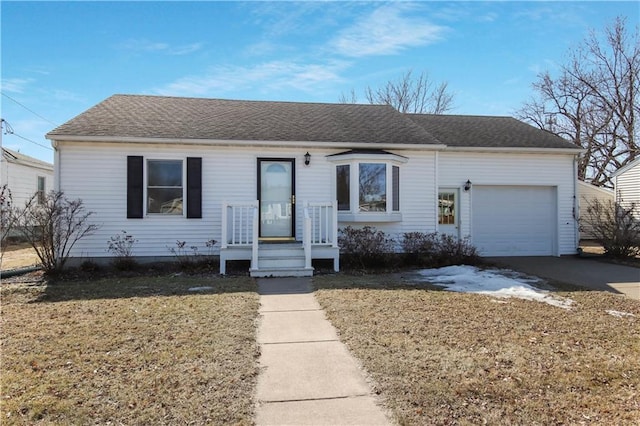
(395, 187)
(194, 187)
(134, 187)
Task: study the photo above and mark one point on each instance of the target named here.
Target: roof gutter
(514, 149)
(56, 139)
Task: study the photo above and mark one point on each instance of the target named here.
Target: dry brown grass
(440, 357)
(129, 351)
(18, 255)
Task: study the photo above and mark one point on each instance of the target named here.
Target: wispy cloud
(269, 77)
(15, 85)
(138, 45)
(546, 65)
(559, 13)
(488, 17)
(387, 30)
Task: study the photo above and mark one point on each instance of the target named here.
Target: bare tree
(411, 94)
(593, 102)
(7, 218)
(52, 226)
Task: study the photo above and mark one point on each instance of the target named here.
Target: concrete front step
(281, 272)
(267, 262)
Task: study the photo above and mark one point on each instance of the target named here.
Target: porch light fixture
(467, 185)
(307, 158)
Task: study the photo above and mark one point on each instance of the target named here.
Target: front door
(276, 197)
(448, 211)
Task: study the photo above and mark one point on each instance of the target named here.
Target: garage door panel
(514, 220)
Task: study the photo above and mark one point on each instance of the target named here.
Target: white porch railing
(320, 227)
(239, 224)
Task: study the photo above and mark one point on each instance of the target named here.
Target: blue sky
(60, 58)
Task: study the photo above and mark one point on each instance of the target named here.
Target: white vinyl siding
(22, 180)
(513, 169)
(588, 193)
(97, 173)
(627, 186)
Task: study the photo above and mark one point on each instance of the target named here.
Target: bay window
(368, 186)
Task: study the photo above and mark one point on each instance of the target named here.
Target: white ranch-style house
(273, 182)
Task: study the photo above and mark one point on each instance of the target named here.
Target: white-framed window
(165, 187)
(343, 187)
(368, 185)
(41, 188)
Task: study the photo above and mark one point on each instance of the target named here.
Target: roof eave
(235, 142)
(531, 150)
(625, 168)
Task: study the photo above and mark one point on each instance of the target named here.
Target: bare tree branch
(408, 94)
(593, 102)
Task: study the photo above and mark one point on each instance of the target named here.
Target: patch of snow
(492, 282)
(205, 288)
(619, 314)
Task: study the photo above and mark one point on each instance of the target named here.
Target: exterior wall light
(307, 158)
(467, 185)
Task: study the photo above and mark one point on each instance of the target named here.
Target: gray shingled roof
(19, 158)
(216, 119)
(486, 131)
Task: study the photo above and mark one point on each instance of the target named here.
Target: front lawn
(439, 357)
(144, 350)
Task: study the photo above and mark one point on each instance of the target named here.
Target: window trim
(183, 186)
(353, 159)
(40, 193)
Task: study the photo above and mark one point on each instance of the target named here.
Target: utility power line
(8, 130)
(29, 140)
(29, 109)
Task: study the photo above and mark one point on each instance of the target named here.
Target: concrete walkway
(308, 377)
(580, 271)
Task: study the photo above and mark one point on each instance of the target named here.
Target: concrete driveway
(578, 271)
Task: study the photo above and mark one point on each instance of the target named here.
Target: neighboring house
(248, 172)
(588, 194)
(25, 176)
(626, 186)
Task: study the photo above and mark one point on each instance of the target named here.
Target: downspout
(56, 166)
(436, 185)
(576, 206)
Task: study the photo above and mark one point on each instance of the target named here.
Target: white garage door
(514, 220)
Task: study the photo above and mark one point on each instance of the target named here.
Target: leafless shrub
(435, 250)
(614, 226)
(121, 246)
(365, 247)
(7, 219)
(53, 226)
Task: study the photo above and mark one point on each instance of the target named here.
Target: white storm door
(276, 198)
